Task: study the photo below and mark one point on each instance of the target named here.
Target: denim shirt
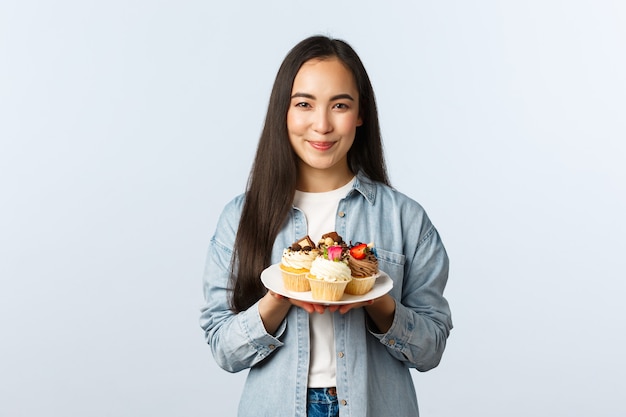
(373, 376)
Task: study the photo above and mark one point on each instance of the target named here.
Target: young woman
(319, 167)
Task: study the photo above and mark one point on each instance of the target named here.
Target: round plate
(273, 280)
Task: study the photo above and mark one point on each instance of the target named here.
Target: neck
(319, 181)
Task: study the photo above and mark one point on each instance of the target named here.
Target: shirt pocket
(392, 263)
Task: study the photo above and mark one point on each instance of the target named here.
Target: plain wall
(125, 126)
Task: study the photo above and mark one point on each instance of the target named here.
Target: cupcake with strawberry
(363, 266)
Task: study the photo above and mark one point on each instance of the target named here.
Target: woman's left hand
(381, 310)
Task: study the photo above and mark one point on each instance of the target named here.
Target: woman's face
(323, 116)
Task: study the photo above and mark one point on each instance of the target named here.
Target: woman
(319, 167)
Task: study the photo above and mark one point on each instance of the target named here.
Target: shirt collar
(365, 186)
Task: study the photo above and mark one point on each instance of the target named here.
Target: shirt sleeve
(238, 340)
(422, 319)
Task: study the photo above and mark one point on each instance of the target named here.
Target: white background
(125, 126)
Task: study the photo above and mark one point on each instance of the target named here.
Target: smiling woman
(322, 121)
(319, 166)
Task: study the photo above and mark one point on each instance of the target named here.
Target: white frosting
(299, 259)
(331, 271)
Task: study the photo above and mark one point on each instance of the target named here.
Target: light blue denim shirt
(372, 369)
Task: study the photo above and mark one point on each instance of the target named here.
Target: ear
(359, 121)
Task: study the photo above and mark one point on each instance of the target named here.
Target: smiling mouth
(322, 146)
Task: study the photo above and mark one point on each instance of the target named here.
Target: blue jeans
(322, 402)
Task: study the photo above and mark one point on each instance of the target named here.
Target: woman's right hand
(308, 307)
(274, 307)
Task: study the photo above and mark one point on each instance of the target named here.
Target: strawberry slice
(359, 251)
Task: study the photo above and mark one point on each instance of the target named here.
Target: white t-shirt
(320, 210)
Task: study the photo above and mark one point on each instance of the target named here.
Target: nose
(322, 123)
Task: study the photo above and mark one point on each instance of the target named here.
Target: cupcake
(329, 274)
(363, 267)
(295, 264)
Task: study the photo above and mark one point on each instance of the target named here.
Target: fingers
(344, 308)
(321, 308)
(333, 307)
(309, 307)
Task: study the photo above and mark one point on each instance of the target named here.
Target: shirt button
(342, 214)
(272, 347)
(340, 354)
(344, 402)
(392, 342)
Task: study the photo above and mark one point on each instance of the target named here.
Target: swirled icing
(331, 271)
(300, 259)
(365, 267)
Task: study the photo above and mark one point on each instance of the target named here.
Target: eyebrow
(344, 96)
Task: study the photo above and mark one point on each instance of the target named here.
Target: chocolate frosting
(365, 267)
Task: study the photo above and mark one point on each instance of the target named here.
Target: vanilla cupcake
(330, 274)
(295, 264)
(363, 267)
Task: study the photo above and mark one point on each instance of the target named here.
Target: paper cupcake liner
(327, 291)
(295, 282)
(360, 286)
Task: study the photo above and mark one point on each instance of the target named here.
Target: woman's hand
(344, 308)
(382, 312)
(308, 307)
(274, 307)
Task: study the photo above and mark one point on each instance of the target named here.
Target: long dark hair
(272, 181)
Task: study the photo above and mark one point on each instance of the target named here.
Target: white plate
(273, 280)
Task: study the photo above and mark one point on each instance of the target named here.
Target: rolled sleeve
(254, 330)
